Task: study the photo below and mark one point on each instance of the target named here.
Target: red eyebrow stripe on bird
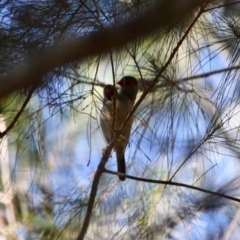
(129, 81)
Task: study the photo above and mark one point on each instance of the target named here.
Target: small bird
(125, 97)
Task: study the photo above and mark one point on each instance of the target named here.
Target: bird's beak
(121, 82)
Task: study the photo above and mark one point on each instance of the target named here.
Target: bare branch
(96, 179)
(11, 125)
(207, 74)
(175, 184)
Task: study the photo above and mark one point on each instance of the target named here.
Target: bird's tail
(121, 167)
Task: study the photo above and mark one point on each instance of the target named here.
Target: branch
(207, 74)
(96, 179)
(2, 134)
(162, 14)
(222, 5)
(174, 184)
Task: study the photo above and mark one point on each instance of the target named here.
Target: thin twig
(11, 125)
(174, 184)
(220, 6)
(207, 136)
(114, 95)
(207, 74)
(133, 56)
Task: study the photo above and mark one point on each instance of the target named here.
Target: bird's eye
(126, 82)
(129, 82)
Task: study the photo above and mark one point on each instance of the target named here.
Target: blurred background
(186, 130)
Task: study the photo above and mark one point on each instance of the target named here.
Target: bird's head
(129, 87)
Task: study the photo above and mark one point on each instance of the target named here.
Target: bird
(124, 98)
